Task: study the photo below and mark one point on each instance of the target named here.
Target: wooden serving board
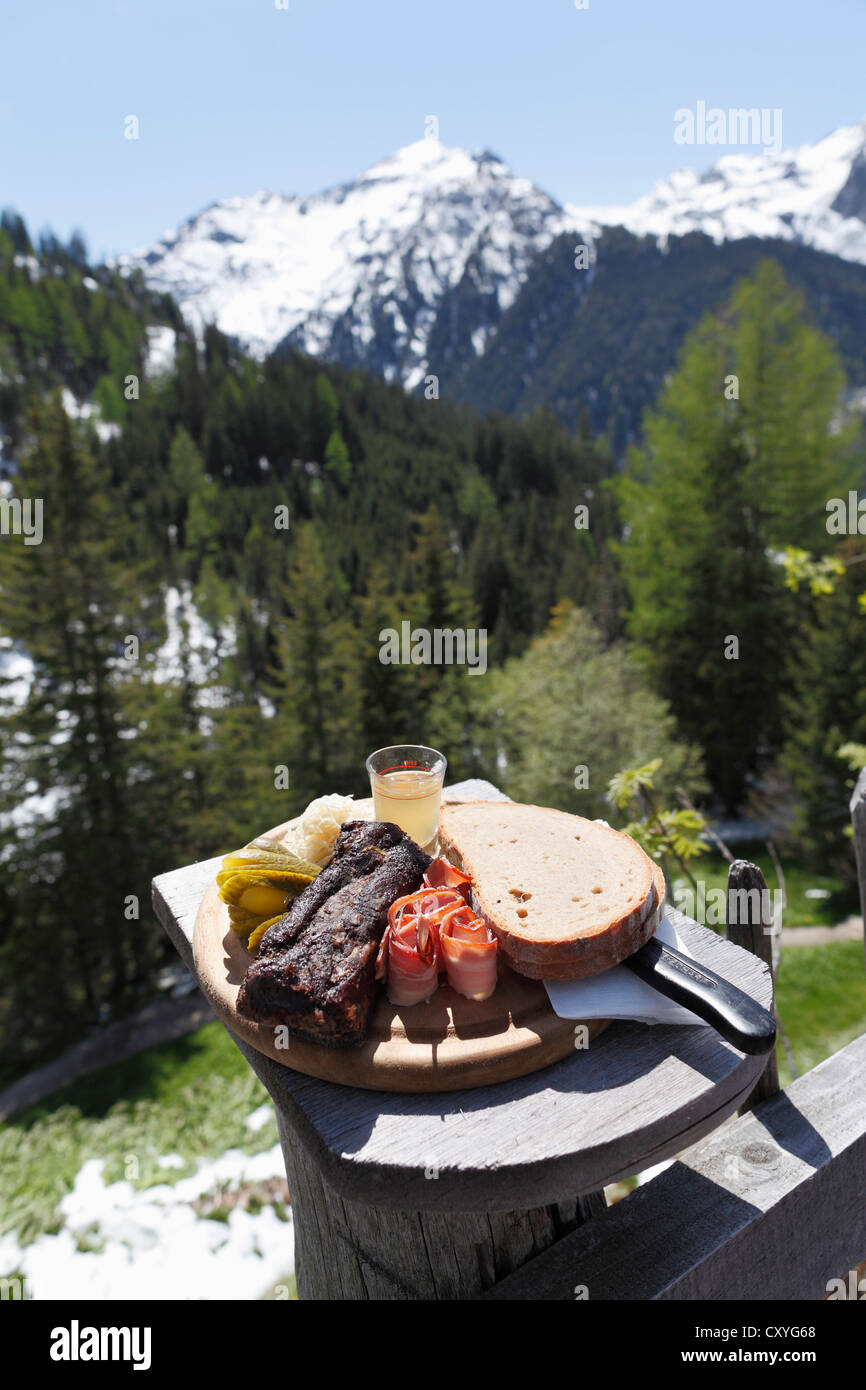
(448, 1044)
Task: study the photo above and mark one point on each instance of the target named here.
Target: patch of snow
(89, 412)
(479, 341)
(259, 1118)
(160, 353)
(16, 673)
(153, 1244)
(190, 647)
(30, 264)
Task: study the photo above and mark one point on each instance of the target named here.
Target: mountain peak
(360, 271)
(430, 245)
(422, 157)
(812, 193)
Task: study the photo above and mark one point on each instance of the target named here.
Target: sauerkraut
(314, 835)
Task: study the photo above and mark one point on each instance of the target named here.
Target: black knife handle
(740, 1020)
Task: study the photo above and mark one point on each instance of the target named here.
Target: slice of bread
(565, 970)
(533, 953)
(561, 893)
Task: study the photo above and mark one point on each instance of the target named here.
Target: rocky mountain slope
(359, 274)
(417, 266)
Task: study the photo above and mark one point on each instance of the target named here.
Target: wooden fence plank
(858, 820)
(750, 924)
(772, 1206)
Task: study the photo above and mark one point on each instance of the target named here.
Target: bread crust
(586, 953)
(569, 970)
(533, 953)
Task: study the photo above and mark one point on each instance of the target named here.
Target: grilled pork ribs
(315, 971)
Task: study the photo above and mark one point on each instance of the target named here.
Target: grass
(801, 911)
(156, 1074)
(821, 1000)
(189, 1097)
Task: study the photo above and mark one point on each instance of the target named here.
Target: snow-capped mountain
(358, 274)
(815, 194)
(410, 267)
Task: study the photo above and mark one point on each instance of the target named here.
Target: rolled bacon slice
(442, 874)
(409, 955)
(469, 952)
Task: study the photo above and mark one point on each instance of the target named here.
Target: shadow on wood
(771, 1206)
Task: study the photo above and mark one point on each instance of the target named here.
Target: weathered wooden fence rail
(771, 1206)
(858, 821)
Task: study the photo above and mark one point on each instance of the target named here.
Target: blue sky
(236, 95)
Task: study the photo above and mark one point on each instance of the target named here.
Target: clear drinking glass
(406, 781)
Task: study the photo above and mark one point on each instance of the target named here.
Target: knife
(739, 1018)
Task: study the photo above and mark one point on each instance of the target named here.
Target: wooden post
(750, 925)
(351, 1250)
(858, 820)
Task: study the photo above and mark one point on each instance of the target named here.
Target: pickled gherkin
(261, 893)
(257, 896)
(264, 855)
(255, 938)
(243, 922)
(259, 881)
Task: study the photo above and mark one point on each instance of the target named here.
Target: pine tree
(389, 705)
(316, 687)
(337, 461)
(78, 878)
(825, 708)
(740, 457)
(440, 598)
